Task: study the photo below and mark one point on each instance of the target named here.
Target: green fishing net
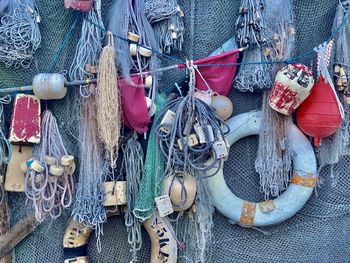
(154, 168)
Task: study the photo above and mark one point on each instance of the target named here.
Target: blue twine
(288, 61)
(62, 45)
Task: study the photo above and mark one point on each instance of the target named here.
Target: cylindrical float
(292, 86)
(49, 86)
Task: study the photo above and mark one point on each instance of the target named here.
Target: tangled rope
(50, 184)
(88, 48)
(166, 19)
(5, 147)
(88, 207)
(134, 169)
(128, 16)
(19, 34)
(187, 110)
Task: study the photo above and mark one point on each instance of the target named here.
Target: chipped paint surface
(25, 123)
(284, 99)
(267, 206)
(248, 214)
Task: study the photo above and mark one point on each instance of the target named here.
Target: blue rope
(62, 45)
(306, 54)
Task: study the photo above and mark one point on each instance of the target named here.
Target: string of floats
(180, 62)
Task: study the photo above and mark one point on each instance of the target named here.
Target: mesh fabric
(319, 233)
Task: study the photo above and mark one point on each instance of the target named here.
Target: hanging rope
(166, 18)
(108, 102)
(19, 34)
(134, 170)
(49, 180)
(5, 147)
(187, 110)
(88, 207)
(88, 48)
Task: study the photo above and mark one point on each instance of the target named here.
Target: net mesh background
(318, 233)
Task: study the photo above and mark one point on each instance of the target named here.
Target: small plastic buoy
(203, 96)
(49, 86)
(133, 37)
(146, 52)
(67, 160)
(148, 82)
(133, 49)
(50, 160)
(37, 166)
(222, 105)
(56, 170)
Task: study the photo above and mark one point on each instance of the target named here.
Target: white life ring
(273, 211)
(162, 235)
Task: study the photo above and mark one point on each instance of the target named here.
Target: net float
(148, 82)
(179, 11)
(319, 116)
(203, 96)
(49, 86)
(67, 160)
(50, 160)
(145, 51)
(173, 35)
(36, 166)
(182, 189)
(133, 49)
(222, 106)
(292, 86)
(71, 168)
(133, 37)
(56, 170)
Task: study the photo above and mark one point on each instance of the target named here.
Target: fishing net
(318, 233)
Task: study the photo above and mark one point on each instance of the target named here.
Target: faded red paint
(25, 123)
(284, 98)
(80, 5)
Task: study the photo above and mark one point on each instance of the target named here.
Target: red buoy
(319, 115)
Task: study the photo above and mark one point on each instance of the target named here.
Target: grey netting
(319, 233)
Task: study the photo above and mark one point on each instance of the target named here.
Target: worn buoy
(49, 86)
